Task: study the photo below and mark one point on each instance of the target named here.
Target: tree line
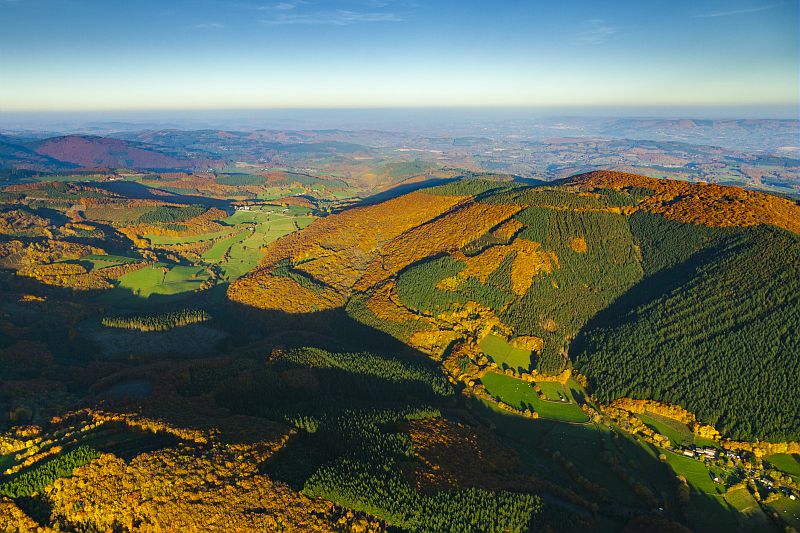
(157, 322)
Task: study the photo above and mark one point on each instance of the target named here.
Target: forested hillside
(677, 292)
(605, 353)
(721, 326)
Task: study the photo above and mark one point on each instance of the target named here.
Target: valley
(502, 356)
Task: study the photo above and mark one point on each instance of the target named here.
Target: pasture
(788, 510)
(221, 247)
(553, 391)
(237, 248)
(504, 354)
(751, 513)
(710, 512)
(161, 278)
(521, 395)
(255, 229)
(787, 463)
(699, 477)
(677, 432)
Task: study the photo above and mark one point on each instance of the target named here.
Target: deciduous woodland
(711, 299)
(263, 351)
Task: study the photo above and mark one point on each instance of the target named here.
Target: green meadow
(677, 432)
(163, 279)
(788, 510)
(698, 475)
(503, 354)
(521, 395)
(788, 463)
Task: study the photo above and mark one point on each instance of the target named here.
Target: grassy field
(258, 228)
(216, 252)
(505, 355)
(678, 432)
(521, 395)
(153, 280)
(166, 240)
(103, 261)
(236, 249)
(697, 474)
(752, 515)
(710, 513)
(787, 463)
(244, 255)
(553, 391)
(246, 233)
(789, 510)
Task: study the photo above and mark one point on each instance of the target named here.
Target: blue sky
(216, 54)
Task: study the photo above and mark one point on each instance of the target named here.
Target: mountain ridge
(537, 263)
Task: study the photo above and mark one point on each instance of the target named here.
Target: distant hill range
(93, 152)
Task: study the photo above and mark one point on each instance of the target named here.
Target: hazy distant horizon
(390, 118)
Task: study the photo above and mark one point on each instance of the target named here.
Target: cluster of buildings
(708, 451)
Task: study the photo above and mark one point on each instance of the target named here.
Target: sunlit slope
(700, 203)
(656, 271)
(316, 269)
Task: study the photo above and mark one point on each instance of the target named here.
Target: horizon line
(789, 110)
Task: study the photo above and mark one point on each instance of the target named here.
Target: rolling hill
(94, 152)
(685, 293)
(17, 156)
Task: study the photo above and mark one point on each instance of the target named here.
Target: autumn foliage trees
(157, 322)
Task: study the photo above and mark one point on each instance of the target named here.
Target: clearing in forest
(504, 354)
(521, 395)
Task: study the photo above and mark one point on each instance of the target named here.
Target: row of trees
(33, 481)
(157, 322)
(369, 364)
(471, 187)
(166, 214)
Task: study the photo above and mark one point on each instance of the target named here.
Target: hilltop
(446, 267)
(95, 152)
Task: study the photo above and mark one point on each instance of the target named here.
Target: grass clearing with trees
(678, 432)
(554, 391)
(788, 510)
(504, 354)
(785, 462)
(699, 477)
(521, 395)
(161, 278)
